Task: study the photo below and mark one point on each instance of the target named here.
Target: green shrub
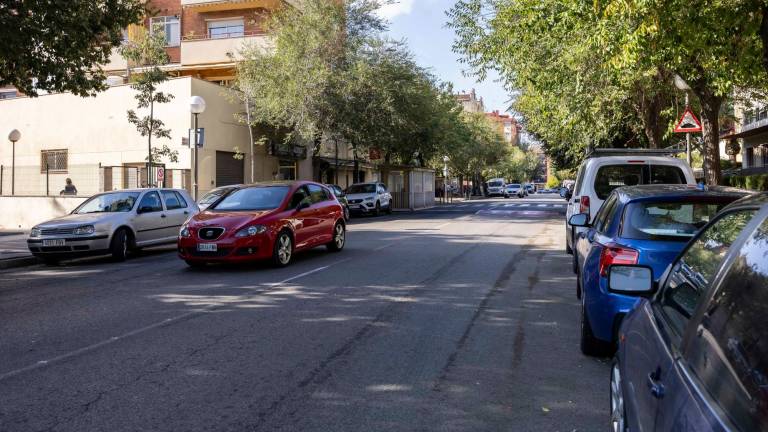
(757, 182)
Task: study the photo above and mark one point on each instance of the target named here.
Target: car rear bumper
(606, 310)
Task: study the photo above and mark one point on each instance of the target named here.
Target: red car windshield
(253, 198)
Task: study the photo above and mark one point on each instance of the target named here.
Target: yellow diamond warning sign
(688, 122)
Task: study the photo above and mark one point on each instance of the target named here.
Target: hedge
(758, 182)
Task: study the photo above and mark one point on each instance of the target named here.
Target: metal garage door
(228, 169)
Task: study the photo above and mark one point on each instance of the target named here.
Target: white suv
(605, 170)
(370, 198)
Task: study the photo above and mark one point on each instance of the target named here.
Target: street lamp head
(196, 104)
(14, 136)
(680, 83)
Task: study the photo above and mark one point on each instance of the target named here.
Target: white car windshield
(494, 184)
(114, 202)
(513, 186)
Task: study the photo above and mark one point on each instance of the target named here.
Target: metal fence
(85, 180)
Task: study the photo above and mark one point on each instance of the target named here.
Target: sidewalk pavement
(13, 250)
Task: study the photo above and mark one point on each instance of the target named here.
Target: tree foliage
(58, 46)
(600, 73)
(330, 74)
(147, 51)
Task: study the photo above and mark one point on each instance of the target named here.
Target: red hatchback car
(264, 221)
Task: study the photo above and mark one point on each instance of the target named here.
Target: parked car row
(230, 223)
(673, 282)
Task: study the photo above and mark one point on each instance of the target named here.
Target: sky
(421, 23)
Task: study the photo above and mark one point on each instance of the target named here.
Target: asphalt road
(458, 318)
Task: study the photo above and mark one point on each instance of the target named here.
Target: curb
(18, 262)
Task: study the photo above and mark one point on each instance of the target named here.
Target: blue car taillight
(616, 255)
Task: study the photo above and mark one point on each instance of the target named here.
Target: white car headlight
(251, 231)
(184, 231)
(369, 199)
(35, 232)
(85, 229)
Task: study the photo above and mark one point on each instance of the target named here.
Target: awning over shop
(343, 163)
(747, 133)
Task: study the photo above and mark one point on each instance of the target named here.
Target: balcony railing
(221, 48)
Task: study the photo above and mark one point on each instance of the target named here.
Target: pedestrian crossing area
(497, 206)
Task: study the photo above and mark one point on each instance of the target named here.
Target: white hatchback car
(114, 223)
(605, 170)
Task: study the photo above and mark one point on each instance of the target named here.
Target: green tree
(147, 51)
(58, 46)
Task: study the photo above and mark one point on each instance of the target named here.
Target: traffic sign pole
(688, 140)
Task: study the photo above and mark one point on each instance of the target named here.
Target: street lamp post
(14, 136)
(196, 106)
(445, 177)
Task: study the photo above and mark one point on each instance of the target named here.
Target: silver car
(114, 223)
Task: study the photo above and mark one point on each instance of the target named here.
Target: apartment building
(751, 130)
(204, 38)
(470, 102)
(508, 126)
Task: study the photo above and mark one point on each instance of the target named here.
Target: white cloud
(399, 7)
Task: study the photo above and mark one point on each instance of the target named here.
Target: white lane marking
(158, 324)
(443, 225)
(542, 205)
(510, 205)
(524, 205)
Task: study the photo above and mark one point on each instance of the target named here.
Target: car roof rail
(598, 152)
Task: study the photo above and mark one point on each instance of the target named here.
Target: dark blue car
(646, 225)
(695, 356)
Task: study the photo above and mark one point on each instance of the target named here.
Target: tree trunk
(710, 129)
(651, 112)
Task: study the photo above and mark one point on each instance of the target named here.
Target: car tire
(568, 248)
(575, 261)
(195, 264)
(617, 407)
(589, 344)
(339, 238)
(389, 207)
(377, 210)
(119, 245)
(282, 251)
(346, 214)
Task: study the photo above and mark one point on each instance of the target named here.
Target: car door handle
(186, 211)
(655, 385)
(162, 215)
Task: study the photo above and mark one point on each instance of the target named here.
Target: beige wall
(26, 212)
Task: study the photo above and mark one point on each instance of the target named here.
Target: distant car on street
(531, 189)
(694, 356)
(342, 197)
(495, 187)
(606, 169)
(264, 221)
(113, 223)
(214, 195)
(369, 198)
(515, 189)
(640, 225)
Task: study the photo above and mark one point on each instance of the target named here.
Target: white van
(496, 187)
(607, 169)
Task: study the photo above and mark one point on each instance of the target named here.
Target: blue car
(645, 225)
(694, 357)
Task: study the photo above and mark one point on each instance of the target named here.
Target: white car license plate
(206, 247)
(53, 242)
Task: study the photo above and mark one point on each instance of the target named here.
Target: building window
(286, 170)
(170, 26)
(53, 161)
(221, 29)
(750, 157)
(7, 94)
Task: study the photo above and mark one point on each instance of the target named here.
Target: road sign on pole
(160, 175)
(688, 122)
